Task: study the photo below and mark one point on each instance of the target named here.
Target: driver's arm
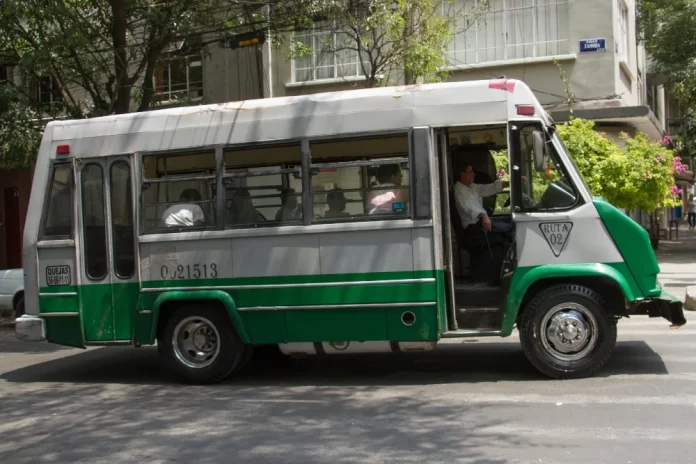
(486, 190)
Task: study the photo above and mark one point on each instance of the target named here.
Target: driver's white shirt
(469, 200)
(182, 215)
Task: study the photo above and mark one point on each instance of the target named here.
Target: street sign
(593, 45)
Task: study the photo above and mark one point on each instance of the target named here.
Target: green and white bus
(288, 248)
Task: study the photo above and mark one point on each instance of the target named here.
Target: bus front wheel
(200, 344)
(567, 332)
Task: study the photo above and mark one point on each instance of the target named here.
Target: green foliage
(638, 175)
(589, 149)
(668, 30)
(19, 132)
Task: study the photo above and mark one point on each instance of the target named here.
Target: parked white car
(12, 291)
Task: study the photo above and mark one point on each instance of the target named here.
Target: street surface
(473, 401)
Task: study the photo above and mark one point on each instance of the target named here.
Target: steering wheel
(526, 201)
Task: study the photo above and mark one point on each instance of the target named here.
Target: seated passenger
(469, 201)
(242, 210)
(289, 211)
(337, 203)
(186, 213)
(382, 198)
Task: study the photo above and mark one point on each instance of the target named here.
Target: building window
(4, 74)
(179, 78)
(46, 92)
(507, 30)
(325, 54)
(623, 32)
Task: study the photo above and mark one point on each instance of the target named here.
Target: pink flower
(660, 158)
(501, 173)
(675, 190)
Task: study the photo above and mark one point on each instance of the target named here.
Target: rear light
(525, 110)
(501, 84)
(63, 149)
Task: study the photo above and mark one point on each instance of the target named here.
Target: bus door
(107, 253)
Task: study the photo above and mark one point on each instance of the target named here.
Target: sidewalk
(677, 260)
(682, 250)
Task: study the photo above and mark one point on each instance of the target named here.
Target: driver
(469, 202)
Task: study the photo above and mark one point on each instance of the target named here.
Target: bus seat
(475, 246)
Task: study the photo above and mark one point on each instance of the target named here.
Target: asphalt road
(471, 401)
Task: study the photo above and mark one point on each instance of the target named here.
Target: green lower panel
(265, 326)
(142, 328)
(64, 330)
(125, 299)
(423, 328)
(357, 294)
(335, 325)
(97, 312)
(58, 304)
(107, 310)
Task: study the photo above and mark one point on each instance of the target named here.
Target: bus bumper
(30, 328)
(666, 306)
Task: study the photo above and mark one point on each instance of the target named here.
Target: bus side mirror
(539, 147)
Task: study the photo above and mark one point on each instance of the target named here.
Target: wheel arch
(18, 296)
(603, 279)
(166, 303)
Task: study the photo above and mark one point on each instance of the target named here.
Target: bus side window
(263, 186)
(178, 192)
(359, 179)
(58, 219)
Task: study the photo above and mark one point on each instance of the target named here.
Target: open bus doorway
(479, 267)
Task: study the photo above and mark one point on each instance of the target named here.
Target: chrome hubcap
(569, 331)
(196, 342)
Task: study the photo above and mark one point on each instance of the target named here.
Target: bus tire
(567, 332)
(200, 344)
(19, 307)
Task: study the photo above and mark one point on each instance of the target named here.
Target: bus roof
(291, 118)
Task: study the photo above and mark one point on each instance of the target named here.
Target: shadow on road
(469, 362)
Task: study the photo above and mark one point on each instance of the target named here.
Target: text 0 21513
(189, 271)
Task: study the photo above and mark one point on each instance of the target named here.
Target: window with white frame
(507, 30)
(623, 38)
(325, 53)
(179, 77)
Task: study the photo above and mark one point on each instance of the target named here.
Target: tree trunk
(148, 86)
(118, 34)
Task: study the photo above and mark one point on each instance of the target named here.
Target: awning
(640, 117)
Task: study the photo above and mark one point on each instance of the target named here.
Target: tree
(668, 30)
(20, 133)
(101, 48)
(389, 36)
(101, 55)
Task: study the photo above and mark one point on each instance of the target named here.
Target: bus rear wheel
(200, 344)
(567, 332)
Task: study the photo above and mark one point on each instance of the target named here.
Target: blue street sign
(593, 45)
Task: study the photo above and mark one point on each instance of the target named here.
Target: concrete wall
(626, 72)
